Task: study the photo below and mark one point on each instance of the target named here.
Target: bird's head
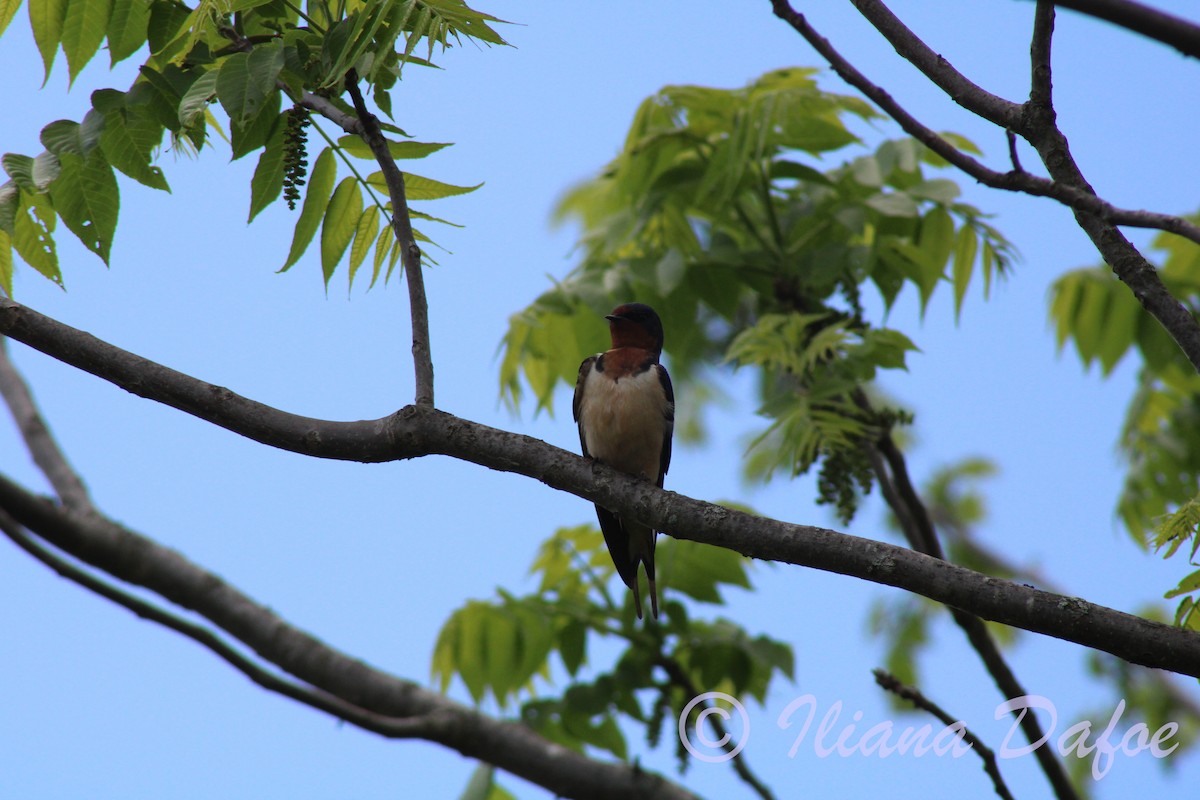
(635, 325)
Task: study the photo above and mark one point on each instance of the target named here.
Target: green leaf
(340, 224)
(247, 79)
(470, 652)
(1189, 584)
(364, 237)
(10, 200)
(196, 99)
(167, 29)
(255, 133)
(46, 19)
(85, 195)
(698, 570)
(267, 182)
(464, 20)
(894, 204)
(320, 186)
(85, 24)
(417, 187)
(936, 237)
(572, 646)
(127, 28)
(6, 262)
(355, 146)
(482, 785)
(383, 245)
(965, 246)
(349, 40)
(62, 136)
(127, 143)
(8, 10)
(939, 190)
(33, 235)
(46, 168)
(20, 169)
(31, 174)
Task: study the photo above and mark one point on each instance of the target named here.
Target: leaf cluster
(512, 647)
(245, 56)
(721, 212)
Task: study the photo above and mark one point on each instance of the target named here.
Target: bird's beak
(611, 317)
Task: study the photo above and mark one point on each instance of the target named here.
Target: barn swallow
(625, 408)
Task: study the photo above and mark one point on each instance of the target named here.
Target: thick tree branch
(410, 253)
(345, 687)
(891, 683)
(419, 431)
(1180, 33)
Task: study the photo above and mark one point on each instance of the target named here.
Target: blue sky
(373, 558)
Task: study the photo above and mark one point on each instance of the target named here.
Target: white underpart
(632, 413)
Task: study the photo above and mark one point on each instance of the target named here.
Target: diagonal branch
(1035, 123)
(937, 69)
(419, 431)
(344, 686)
(901, 496)
(418, 306)
(678, 676)
(38, 439)
(1180, 33)
(891, 683)
(392, 727)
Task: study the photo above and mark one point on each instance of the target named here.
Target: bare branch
(1016, 180)
(1041, 84)
(1180, 33)
(941, 72)
(902, 497)
(321, 105)
(410, 252)
(385, 726)
(1095, 216)
(38, 439)
(913, 695)
(345, 686)
(1013, 156)
(679, 677)
(419, 431)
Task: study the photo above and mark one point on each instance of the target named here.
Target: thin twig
(38, 439)
(1013, 156)
(391, 727)
(372, 134)
(680, 678)
(891, 683)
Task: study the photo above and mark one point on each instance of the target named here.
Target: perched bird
(625, 408)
